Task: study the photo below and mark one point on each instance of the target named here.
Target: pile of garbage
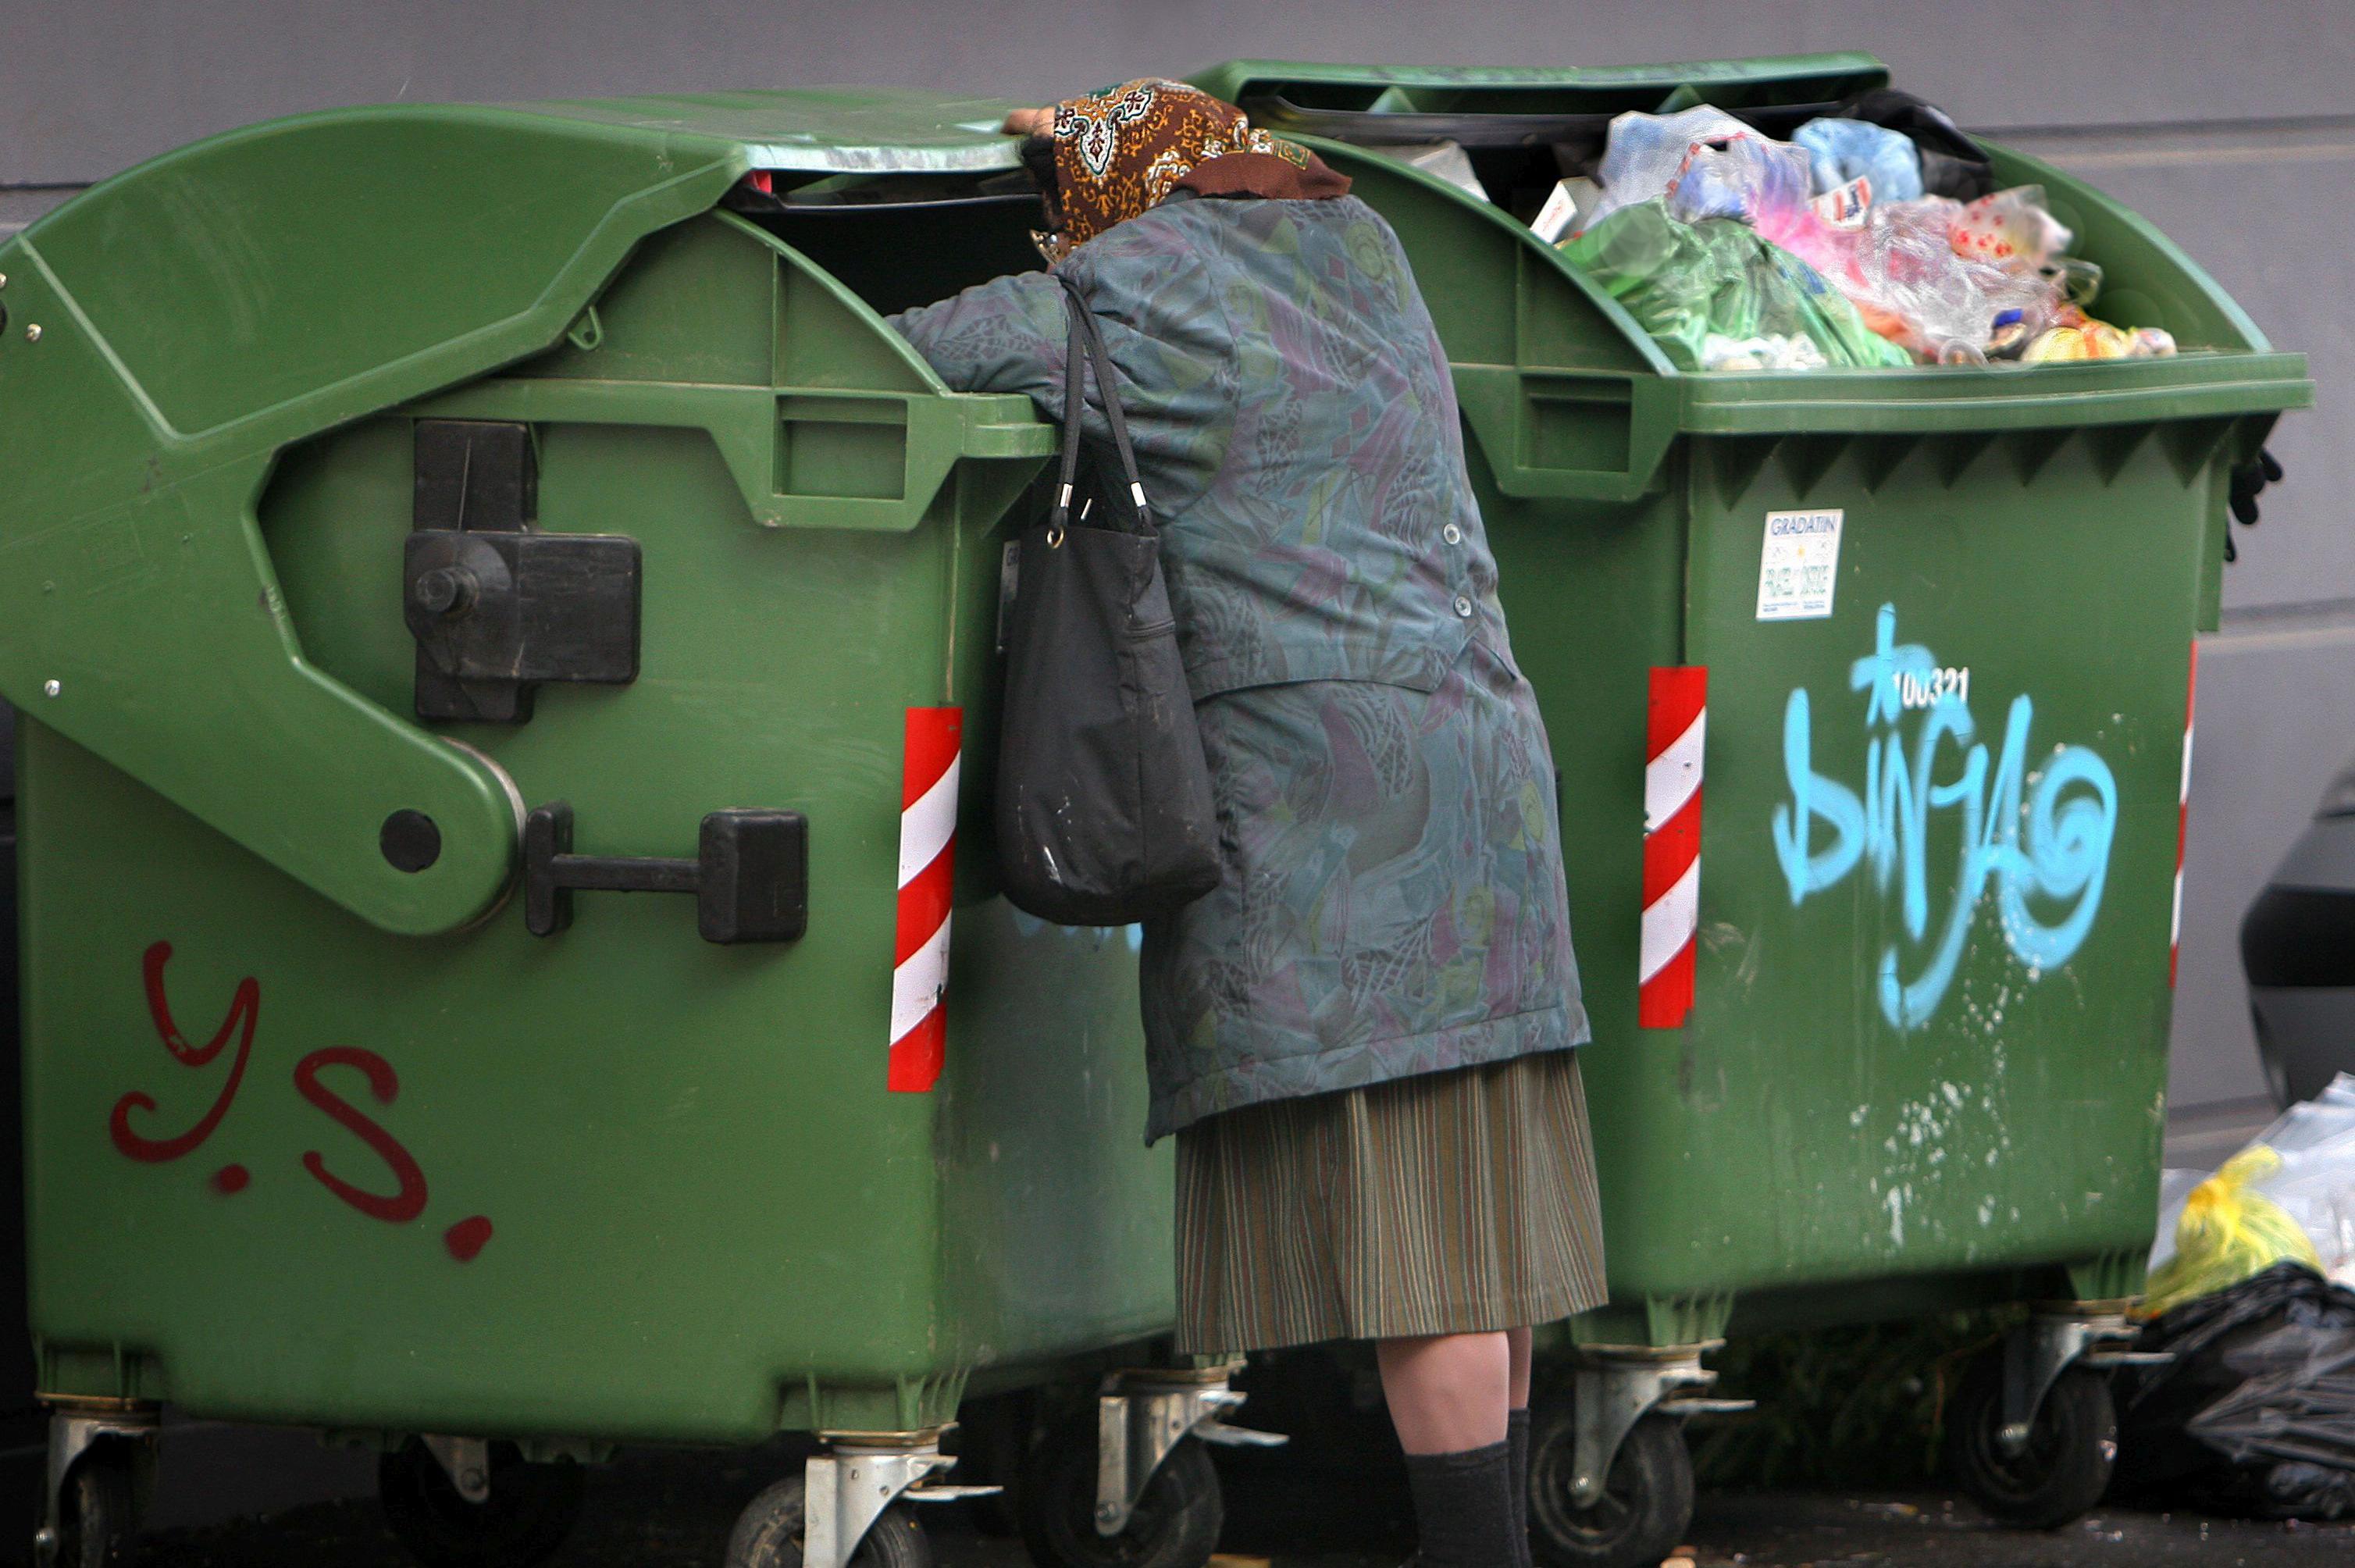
(1873, 237)
(2249, 1297)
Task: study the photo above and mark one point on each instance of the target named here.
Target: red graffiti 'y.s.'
(242, 1010)
(467, 1238)
(384, 1083)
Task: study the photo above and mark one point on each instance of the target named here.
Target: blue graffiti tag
(2054, 850)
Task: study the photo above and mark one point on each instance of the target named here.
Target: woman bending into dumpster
(1362, 1036)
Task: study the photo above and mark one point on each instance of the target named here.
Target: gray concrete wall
(2231, 122)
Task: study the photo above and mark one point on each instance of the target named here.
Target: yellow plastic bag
(2227, 1234)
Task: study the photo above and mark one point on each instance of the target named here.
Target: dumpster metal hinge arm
(143, 617)
(156, 637)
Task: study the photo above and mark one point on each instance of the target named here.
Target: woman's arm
(1178, 369)
(1004, 336)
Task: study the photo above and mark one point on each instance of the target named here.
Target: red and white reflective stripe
(2183, 817)
(920, 957)
(1675, 734)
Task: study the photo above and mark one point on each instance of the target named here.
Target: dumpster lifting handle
(750, 876)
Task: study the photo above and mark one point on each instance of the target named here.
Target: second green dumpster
(1883, 1026)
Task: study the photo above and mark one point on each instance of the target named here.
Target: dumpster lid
(832, 130)
(294, 275)
(1510, 105)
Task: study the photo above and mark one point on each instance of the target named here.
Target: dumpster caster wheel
(1175, 1523)
(1646, 1504)
(95, 1514)
(530, 1510)
(2062, 1471)
(768, 1533)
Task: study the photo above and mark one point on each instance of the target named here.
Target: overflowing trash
(1716, 295)
(1841, 152)
(1884, 207)
(1951, 164)
(2249, 1297)
(1727, 169)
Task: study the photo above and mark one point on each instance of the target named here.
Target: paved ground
(674, 1511)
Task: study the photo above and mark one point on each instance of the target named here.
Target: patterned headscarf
(1123, 152)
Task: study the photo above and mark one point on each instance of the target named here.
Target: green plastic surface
(202, 312)
(618, 1182)
(838, 130)
(1795, 1153)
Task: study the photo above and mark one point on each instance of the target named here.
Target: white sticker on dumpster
(1800, 567)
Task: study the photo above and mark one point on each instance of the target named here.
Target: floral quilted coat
(1392, 901)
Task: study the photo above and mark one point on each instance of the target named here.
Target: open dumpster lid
(1484, 105)
(833, 130)
(292, 275)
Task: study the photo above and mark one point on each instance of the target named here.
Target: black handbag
(1104, 811)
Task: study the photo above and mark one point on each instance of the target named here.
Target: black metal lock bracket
(495, 605)
(749, 876)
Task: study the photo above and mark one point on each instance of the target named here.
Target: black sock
(1463, 1508)
(1517, 1437)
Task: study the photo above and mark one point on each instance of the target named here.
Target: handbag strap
(1086, 348)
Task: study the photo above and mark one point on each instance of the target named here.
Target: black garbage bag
(2256, 1412)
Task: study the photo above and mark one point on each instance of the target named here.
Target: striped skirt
(1452, 1202)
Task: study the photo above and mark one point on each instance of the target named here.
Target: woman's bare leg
(1517, 1344)
(1447, 1399)
(1447, 1392)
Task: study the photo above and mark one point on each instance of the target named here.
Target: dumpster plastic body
(320, 1131)
(1870, 696)
(1938, 802)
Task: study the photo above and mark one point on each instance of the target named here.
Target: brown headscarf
(1123, 152)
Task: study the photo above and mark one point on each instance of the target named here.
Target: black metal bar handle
(750, 876)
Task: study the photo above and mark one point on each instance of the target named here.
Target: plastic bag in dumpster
(1746, 176)
(1951, 164)
(2090, 339)
(2012, 229)
(1644, 151)
(1844, 150)
(1903, 265)
(1914, 288)
(1948, 281)
(1717, 295)
(2256, 1412)
(2229, 1234)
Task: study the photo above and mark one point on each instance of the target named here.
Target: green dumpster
(424, 525)
(1883, 1026)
